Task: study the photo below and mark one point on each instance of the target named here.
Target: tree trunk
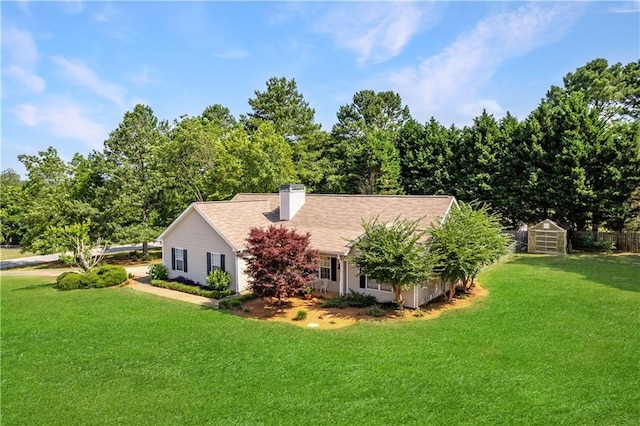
(398, 291)
(452, 290)
(82, 260)
(145, 248)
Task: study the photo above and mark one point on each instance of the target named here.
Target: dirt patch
(320, 317)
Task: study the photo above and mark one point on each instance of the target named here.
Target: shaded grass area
(556, 341)
(13, 253)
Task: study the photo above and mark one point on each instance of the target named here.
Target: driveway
(36, 260)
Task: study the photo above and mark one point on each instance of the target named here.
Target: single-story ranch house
(210, 235)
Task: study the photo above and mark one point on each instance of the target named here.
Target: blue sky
(70, 70)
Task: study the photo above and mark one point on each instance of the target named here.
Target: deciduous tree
(467, 240)
(394, 254)
(12, 226)
(280, 262)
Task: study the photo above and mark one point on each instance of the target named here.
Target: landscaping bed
(319, 315)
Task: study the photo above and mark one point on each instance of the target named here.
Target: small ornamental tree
(393, 254)
(280, 262)
(74, 243)
(467, 240)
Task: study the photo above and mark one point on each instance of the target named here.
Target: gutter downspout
(237, 257)
(341, 283)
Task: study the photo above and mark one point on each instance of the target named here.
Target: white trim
(323, 260)
(237, 262)
(452, 203)
(180, 250)
(194, 206)
(341, 280)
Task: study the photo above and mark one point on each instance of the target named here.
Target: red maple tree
(280, 262)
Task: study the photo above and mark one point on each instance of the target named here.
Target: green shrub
(353, 299)
(360, 300)
(230, 304)
(390, 305)
(336, 302)
(106, 276)
(375, 311)
(158, 271)
(247, 296)
(100, 277)
(607, 246)
(71, 281)
(588, 242)
(302, 314)
(191, 289)
(218, 280)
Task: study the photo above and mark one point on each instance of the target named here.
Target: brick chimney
(292, 196)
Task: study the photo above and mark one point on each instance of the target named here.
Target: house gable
(195, 240)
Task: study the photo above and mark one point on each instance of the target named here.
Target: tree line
(575, 159)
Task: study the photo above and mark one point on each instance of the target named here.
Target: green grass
(557, 341)
(13, 253)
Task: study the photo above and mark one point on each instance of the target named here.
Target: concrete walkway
(175, 295)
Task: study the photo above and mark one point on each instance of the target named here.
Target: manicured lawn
(13, 253)
(557, 341)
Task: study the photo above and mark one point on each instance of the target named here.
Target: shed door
(546, 241)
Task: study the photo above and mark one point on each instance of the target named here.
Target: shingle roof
(332, 220)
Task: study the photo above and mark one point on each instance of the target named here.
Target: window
(373, 285)
(328, 268)
(179, 259)
(325, 268)
(215, 261)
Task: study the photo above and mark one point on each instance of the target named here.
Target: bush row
(100, 277)
(236, 302)
(191, 289)
(353, 299)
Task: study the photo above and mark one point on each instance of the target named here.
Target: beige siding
(433, 289)
(243, 279)
(354, 284)
(195, 235)
(413, 297)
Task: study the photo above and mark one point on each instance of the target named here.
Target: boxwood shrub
(100, 277)
(71, 281)
(107, 276)
(191, 289)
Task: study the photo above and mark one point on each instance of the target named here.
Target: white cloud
(376, 32)
(28, 114)
(19, 47)
(627, 7)
(28, 79)
(64, 120)
(73, 6)
(79, 73)
(232, 54)
(21, 56)
(141, 77)
(450, 80)
(106, 14)
(24, 6)
(473, 108)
